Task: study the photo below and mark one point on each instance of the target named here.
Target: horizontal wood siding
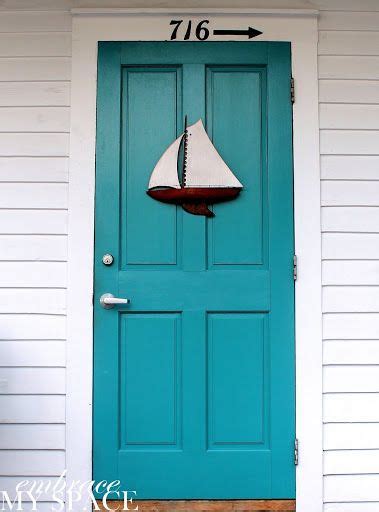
(32, 437)
(35, 68)
(354, 91)
(349, 137)
(46, 484)
(34, 94)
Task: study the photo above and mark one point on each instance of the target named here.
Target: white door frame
(300, 28)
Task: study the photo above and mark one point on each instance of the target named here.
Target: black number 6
(202, 33)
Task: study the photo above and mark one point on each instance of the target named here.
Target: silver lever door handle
(108, 301)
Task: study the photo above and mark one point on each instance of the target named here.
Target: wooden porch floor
(208, 506)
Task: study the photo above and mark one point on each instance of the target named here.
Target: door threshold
(206, 505)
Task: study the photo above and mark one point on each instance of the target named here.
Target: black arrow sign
(250, 32)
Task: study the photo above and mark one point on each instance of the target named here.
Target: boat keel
(198, 209)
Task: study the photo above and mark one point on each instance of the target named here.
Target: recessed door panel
(236, 122)
(237, 380)
(150, 380)
(151, 111)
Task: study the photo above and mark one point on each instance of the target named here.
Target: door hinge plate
(293, 90)
(296, 452)
(295, 267)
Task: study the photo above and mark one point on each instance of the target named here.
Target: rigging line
(185, 152)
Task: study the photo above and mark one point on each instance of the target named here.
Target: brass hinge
(296, 452)
(293, 90)
(295, 267)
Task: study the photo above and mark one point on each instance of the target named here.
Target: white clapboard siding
(350, 193)
(33, 247)
(34, 68)
(351, 436)
(349, 91)
(45, 353)
(345, 462)
(348, 43)
(53, 44)
(35, 21)
(44, 483)
(349, 246)
(343, 116)
(32, 463)
(34, 119)
(351, 167)
(28, 169)
(351, 507)
(346, 299)
(25, 94)
(38, 327)
(354, 142)
(33, 274)
(346, 5)
(42, 506)
(351, 407)
(34, 144)
(349, 326)
(32, 437)
(32, 381)
(33, 195)
(56, 5)
(350, 272)
(32, 409)
(346, 67)
(335, 20)
(349, 378)
(49, 222)
(345, 488)
(47, 300)
(351, 352)
(362, 219)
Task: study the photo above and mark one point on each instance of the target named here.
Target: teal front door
(194, 379)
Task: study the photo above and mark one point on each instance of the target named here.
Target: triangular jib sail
(204, 166)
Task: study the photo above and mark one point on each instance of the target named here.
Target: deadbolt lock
(107, 259)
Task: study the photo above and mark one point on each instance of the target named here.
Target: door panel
(236, 381)
(150, 414)
(151, 118)
(194, 380)
(235, 121)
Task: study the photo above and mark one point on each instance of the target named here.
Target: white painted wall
(35, 51)
(349, 136)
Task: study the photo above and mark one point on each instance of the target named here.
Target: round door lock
(108, 259)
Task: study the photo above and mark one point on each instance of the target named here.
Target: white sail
(205, 167)
(165, 173)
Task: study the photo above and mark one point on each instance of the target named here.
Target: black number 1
(188, 31)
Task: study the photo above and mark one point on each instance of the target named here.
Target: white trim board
(301, 31)
(194, 10)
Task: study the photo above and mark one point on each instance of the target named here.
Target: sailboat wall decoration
(205, 179)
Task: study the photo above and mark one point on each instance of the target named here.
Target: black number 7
(175, 31)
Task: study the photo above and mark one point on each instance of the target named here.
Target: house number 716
(201, 30)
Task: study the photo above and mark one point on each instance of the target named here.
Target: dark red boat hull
(194, 199)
